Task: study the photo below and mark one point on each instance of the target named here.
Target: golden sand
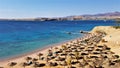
(112, 40)
(112, 37)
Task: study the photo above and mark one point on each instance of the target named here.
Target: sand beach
(99, 49)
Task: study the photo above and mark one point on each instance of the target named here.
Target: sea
(20, 37)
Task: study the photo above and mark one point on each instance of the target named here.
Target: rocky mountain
(105, 14)
(101, 16)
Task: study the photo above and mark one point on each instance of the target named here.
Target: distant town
(102, 16)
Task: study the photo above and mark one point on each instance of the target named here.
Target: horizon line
(56, 16)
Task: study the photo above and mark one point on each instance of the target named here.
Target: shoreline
(94, 38)
(35, 52)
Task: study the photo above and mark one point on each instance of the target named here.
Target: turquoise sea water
(19, 37)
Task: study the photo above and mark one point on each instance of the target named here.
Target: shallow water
(18, 37)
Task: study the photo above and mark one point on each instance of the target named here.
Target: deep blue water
(18, 37)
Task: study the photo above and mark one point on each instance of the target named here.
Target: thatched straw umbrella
(108, 48)
(84, 53)
(111, 63)
(42, 64)
(28, 59)
(116, 56)
(53, 64)
(34, 60)
(63, 63)
(50, 53)
(96, 52)
(117, 61)
(37, 64)
(39, 55)
(12, 64)
(24, 64)
(56, 48)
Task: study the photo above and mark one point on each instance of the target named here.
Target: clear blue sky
(55, 8)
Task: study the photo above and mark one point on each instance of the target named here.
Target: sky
(55, 8)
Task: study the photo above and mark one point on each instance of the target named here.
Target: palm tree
(69, 61)
(64, 47)
(77, 55)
